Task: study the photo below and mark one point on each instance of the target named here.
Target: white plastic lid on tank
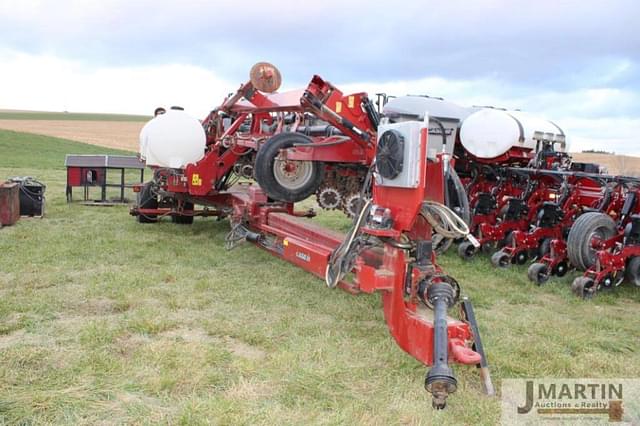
(418, 105)
(490, 133)
(173, 139)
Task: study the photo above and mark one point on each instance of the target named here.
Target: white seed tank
(173, 139)
(490, 133)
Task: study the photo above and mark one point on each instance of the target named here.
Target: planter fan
(390, 155)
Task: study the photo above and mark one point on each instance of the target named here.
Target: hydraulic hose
(446, 222)
(334, 273)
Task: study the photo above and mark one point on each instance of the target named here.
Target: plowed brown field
(112, 134)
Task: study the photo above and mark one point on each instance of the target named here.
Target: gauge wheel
(561, 269)
(521, 257)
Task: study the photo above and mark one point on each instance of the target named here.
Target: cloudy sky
(575, 62)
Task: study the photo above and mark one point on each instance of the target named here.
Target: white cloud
(606, 133)
(45, 82)
(591, 117)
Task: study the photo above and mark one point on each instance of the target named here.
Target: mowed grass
(81, 116)
(104, 320)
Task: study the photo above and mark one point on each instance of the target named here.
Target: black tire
(500, 259)
(561, 269)
(488, 248)
(521, 257)
(184, 219)
(456, 196)
(544, 248)
(147, 200)
(507, 240)
(632, 271)
(271, 180)
(579, 249)
(440, 244)
(466, 250)
(584, 287)
(538, 273)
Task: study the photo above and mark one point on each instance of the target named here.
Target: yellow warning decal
(285, 242)
(338, 107)
(195, 180)
(351, 101)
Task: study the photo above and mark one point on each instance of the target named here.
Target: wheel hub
(292, 174)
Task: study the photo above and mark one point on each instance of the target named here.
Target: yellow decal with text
(338, 107)
(285, 242)
(196, 180)
(351, 101)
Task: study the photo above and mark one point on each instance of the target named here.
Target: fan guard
(390, 154)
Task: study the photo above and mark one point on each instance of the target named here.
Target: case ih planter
(398, 178)
(607, 250)
(553, 219)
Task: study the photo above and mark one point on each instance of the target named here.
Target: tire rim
(292, 175)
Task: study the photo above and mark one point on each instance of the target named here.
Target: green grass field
(81, 116)
(104, 320)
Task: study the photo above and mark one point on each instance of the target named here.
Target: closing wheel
(500, 259)
(538, 273)
(584, 287)
(466, 250)
(632, 271)
(147, 199)
(587, 228)
(287, 180)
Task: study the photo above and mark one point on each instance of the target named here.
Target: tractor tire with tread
(266, 170)
(579, 249)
